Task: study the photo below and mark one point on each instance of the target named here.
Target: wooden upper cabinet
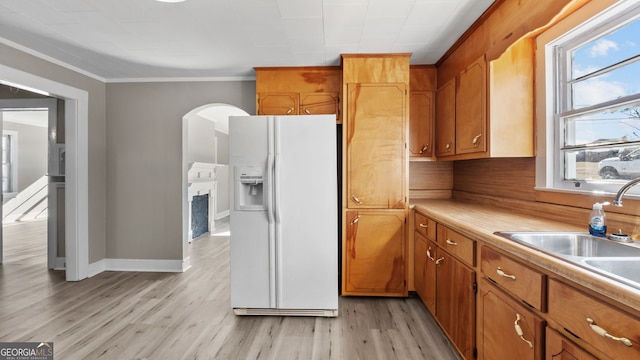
(492, 110)
(375, 136)
(445, 122)
(421, 113)
(471, 105)
(374, 253)
(319, 103)
(298, 90)
(278, 104)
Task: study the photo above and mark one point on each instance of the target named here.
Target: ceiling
(125, 40)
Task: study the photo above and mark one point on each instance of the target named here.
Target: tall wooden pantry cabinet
(375, 181)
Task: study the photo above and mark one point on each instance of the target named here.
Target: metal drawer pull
(448, 146)
(429, 254)
(475, 139)
(503, 274)
(439, 260)
(355, 198)
(424, 148)
(519, 331)
(424, 225)
(307, 111)
(451, 242)
(602, 332)
(355, 220)
(289, 111)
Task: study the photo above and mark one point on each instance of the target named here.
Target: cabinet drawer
(425, 226)
(523, 282)
(456, 244)
(571, 309)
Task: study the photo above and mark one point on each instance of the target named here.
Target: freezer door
(306, 212)
(252, 239)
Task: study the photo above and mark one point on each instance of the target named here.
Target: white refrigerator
(284, 215)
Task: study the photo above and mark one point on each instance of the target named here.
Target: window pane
(617, 83)
(607, 165)
(607, 50)
(611, 125)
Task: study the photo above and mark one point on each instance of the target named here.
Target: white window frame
(13, 188)
(550, 159)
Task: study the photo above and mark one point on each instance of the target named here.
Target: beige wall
(96, 132)
(144, 161)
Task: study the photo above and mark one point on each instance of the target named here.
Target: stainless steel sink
(616, 260)
(572, 244)
(628, 269)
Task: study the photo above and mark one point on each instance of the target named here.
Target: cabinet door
(420, 264)
(471, 114)
(278, 104)
(430, 286)
(319, 104)
(503, 320)
(376, 158)
(421, 110)
(456, 302)
(560, 348)
(446, 119)
(374, 254)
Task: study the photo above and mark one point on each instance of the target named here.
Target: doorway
(205, 133)
(76, 102)
(32, 176)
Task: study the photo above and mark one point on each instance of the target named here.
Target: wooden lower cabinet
(560, 348)
(585, 317)
(507, 329)
(425, 271)
(374, 253)
(456, 301)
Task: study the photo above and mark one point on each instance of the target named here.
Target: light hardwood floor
(118, 315)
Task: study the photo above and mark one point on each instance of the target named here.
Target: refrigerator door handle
(276, 170)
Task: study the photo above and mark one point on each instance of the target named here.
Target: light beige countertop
(480, 222)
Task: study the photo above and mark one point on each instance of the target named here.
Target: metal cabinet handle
(503, 274)
(448, 146)
(307, 111)
(356, 200)
(602, 332)
(424, 225)
(354, 221)
(289, 111)
(475, 139)
(516, 325)
(451, 242)
(424, 148)
(429, 254)
(439, 260)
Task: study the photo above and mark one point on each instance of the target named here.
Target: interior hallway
(120, 315)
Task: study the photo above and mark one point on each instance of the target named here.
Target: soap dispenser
(598, 220)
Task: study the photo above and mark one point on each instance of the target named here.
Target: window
(9, 156)
(596, 102)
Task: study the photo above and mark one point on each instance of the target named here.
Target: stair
(30, 204)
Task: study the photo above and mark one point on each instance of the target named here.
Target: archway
(204, 147)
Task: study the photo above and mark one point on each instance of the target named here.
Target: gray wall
(201, 140)
(32, 152)
(144, 161)
(96, 89)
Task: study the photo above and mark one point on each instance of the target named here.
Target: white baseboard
(142, 265)
(221, 214)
